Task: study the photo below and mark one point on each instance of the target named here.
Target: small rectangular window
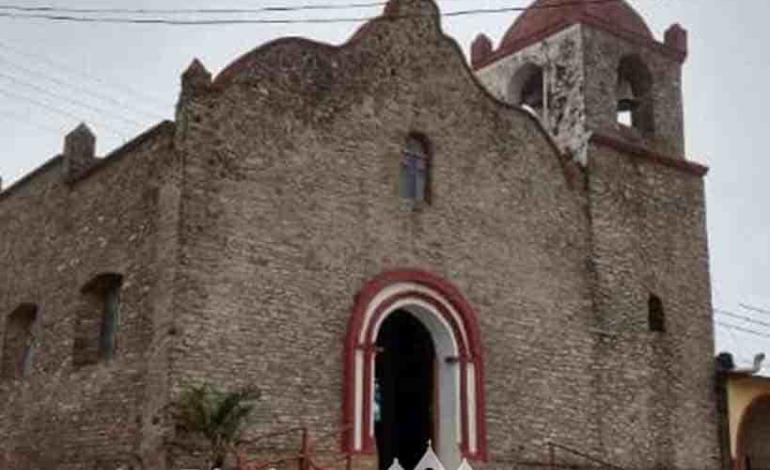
(656, 315)
(109, 322)
(414, 170)
(408, 183)
(97, 320)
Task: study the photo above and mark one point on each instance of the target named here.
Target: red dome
(544, 15)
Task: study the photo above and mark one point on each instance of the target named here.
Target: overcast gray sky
(123, 78)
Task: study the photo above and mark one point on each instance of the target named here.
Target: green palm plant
(217, 416)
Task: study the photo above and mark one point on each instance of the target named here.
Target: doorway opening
(453, 399)
(405, 391)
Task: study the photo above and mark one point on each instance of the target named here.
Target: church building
(506, 258)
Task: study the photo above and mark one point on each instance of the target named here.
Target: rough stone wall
(602, 54)
(54, 238)
(242, 249)
(561, 58)
(655, 391)
(291, 204)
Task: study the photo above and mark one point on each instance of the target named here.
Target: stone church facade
(392, 245)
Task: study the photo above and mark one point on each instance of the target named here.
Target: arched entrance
(754, 436)
(404, 390)
(430, 311)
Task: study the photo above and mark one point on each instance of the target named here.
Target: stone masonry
(244, 230)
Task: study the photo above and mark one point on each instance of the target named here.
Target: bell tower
(590, 67)
(609, 94)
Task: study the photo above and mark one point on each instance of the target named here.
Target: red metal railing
(305, 458)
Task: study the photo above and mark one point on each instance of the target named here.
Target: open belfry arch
(451, 321)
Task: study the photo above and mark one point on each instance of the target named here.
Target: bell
(533, 97)
(626, 99)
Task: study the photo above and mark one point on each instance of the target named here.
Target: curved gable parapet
(424, 12)
(265, 55)
(401, 38)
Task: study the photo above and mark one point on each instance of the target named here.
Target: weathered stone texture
(649, 237)
(53, 239)
(603, 52)
(561, 58)
(293, 204)
(245, 231)
(580, 73)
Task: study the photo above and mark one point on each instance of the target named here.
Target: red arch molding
(740, 452)
(470, 353)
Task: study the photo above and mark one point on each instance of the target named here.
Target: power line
(56, 110)
(170, 22)
(173, 11)
(265, 9)
(736, 345)
(14, 116)
(93, 93)
(60, 65)
(742, 329)
(41, 104)
(755, 309)
(244, 21)
(745, 318)
(72, 101)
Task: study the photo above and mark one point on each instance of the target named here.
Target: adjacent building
(744, 400)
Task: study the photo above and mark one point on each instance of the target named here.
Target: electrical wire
(10, 115)
(47, 10)
(755, 309)
(738, 351)
(275, 21)
(265, 9)
(730, 327)
(174, 11)
(745, 318)
(62, 66)
(56, 110)
(742, 329)
(92, 93)
(69, 100)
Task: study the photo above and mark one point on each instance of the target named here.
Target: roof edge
(645, 153)
(114, 155)
(572, 172)
(588, 20)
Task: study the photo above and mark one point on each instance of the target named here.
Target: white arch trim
(402, 287)
(448, 350)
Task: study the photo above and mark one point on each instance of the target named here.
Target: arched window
(19, 342)
(633, 94)
(656, 315)
(415, 166)
(97, 320)
(527, 88)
